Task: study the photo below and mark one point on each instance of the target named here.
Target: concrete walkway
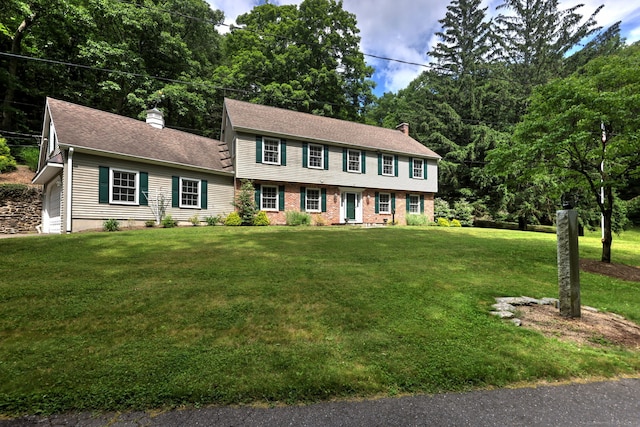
(610, 403)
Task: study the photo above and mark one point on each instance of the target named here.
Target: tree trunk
(607, 213)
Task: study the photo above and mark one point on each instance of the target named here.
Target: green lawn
(192, 316)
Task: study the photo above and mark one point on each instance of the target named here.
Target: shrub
(213, 220)
(195, 220)
(29, 156)
(443, 222)
(111, 225)
(455, 223)
(233, 219)
(633, 210)
(298, 218)
(441, 208)
(245, 202)
(7, 162)
(169, 222)
(319, 220)
(463, 212)
(150, 223)
(415, 219)
(261, 219)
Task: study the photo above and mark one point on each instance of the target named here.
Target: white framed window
(384, 203)
(312, 199)
(353, 161)
(124, 187)
(418, 168)
(388, 165)
(189, 193)
(269, 198)
(414, 204)
(52, 137)
(315, 156)
(271, 151)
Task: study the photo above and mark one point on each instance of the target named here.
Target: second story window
(316, 153)
(387, 165)
(271, 151)
(353, 161)
(417, 168)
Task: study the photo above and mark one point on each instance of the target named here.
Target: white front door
(51, 215)
(351, 207)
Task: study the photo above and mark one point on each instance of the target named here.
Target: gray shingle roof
(261, 119)
(111, 134)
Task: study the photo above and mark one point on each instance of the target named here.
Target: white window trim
(349, 151)
(379, 205)
(321, 147)
(306, 200)
(393, 166)
(199, 186)
(413, 169)
(52, 137)
(264, 151)
(136, 202)
(417, 197)
(262, 208)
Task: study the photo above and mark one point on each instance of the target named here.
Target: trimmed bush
(261, 219)
(443, 222)
(298, 218)
(111, 225)
(233, 219)
(455, 223)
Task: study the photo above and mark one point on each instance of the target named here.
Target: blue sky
(404, 29)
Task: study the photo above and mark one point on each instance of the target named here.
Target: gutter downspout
(69, 189)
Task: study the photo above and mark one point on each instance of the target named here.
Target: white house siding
(87, 212)
(246, 167)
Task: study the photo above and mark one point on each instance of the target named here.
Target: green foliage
(443, 222)
(13, 191)
(245, 202)
(261, 219)
(463, 212)
(441, 208)
(297, 218)
(29, 156)
(214, 220)
(633, 210)
(150, 223)
(233, 219)
(7, 162)
(194, 220)
(417, 220)
(111, 225)
(455, 223)
(168, 222)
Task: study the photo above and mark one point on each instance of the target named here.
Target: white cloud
(404, 29)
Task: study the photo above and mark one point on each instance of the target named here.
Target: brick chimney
(404, 128)
(155, 118)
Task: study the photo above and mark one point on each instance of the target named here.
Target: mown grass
(199, 315)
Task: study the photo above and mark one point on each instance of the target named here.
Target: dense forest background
(474, 105)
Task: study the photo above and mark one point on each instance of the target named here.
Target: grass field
(191, 316)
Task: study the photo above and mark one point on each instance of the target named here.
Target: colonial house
(339, 171)
(96, 166)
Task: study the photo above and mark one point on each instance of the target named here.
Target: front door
(351, 207)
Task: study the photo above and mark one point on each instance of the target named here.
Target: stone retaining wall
(20, 208)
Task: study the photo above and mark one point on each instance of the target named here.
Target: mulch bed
(619, 271)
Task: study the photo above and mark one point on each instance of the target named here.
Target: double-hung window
(316, 156)
(388, 165)
(189, 193)
(313, 200)
(414, 204)
(418, 168)
(124, 187)
(269, 198)
(271, 151)
(353, 161)
(384, 203)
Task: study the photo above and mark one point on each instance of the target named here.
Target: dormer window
(52, 137)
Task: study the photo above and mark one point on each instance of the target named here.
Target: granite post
(568, 262)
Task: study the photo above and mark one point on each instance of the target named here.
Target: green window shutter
(395, 165)
(175, 191)
(256, 187)
(363, 160)
(323, 194)
(283, 152)
(408, 201)
(410, 167)
(281, 198)
(379, 164)
(204, 195)
(144, 189)
(305, 155)
(344, 160)
(421, 204)
(393, 202)
(103, 184)
(424, 169)
(258, 149)
(377, 202)
(326, 157)
(303, 202)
